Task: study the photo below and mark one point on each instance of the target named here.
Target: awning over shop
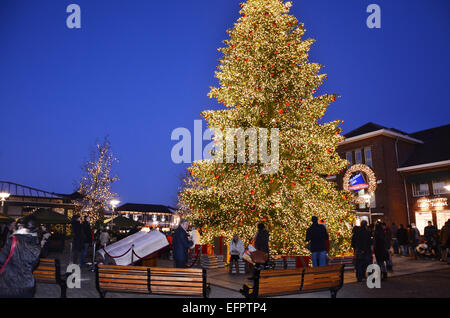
(123, 222)
(47, 216)
(429, 176)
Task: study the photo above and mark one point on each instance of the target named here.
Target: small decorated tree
(96, 182)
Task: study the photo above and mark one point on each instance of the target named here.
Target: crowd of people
(376, 242)
(24, 241)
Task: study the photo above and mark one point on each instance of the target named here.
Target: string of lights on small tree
(96, 182)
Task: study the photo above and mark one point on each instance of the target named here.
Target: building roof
(19, 190)
(371, 127)
(145, 208)
(435, 147)
(371, 130)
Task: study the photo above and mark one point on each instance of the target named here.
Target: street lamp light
(447, 187)
(4, 196)
(113, 203)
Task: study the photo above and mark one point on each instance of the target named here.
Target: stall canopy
(5, 219)
(429, 176)
(123, 222)
(46, 216)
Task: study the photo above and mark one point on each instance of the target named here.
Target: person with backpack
(18, 259)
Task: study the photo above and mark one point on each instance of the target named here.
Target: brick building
(411, 173)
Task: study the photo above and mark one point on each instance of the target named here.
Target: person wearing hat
(317, 236)
(18, 259)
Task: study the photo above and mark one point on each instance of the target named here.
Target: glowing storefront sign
(425, 203)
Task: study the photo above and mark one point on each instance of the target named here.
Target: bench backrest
(123, 278)
(289, 281)
(151, 280)
(177, 281)
(278, 282)
(48, 271)
(326, 277)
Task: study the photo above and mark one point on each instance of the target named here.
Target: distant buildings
(157, 216)
(24, 200)
(412, 172)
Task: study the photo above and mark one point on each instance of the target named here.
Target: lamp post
(113, 203)
(4, 196)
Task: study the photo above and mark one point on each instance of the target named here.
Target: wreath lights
(370, 176)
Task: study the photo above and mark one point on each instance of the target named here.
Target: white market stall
(132, 248)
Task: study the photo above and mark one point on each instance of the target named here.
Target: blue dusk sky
(137, 69)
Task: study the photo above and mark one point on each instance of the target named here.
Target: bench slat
(179, 270)
(319, 286)
(124, 281)
(164, 283)
(185, 291)
(281, 272)
(281, 279)
(105, 275)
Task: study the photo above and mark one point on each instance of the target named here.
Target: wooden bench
(151, 280)
(49, 272)
(295, 281)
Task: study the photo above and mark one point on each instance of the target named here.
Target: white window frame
(420, 193)
(351, 157)
(439, 191)
(370, 161)
(360, 156)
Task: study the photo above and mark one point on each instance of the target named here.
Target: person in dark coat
(262, 242)
(77, 238)
(181, 244)
(429, 232)
(362, 246)
(16, 278)
(7, 231)
(388, 240)
(317, 236)
(402, 238)
(395, 245)
(86, 236)
(380, 249)
(262, 239)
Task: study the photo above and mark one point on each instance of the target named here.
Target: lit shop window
(372, 204)
(439, 187)
(368, 155)
(349, 158)
(358, 156)
(420, 189)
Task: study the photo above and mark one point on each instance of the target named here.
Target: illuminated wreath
(369, 174)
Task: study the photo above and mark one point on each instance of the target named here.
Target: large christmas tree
(266, 81)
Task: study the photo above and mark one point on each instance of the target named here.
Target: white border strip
(380, 132)
(426, 165)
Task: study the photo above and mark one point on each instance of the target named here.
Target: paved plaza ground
(411, 278)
